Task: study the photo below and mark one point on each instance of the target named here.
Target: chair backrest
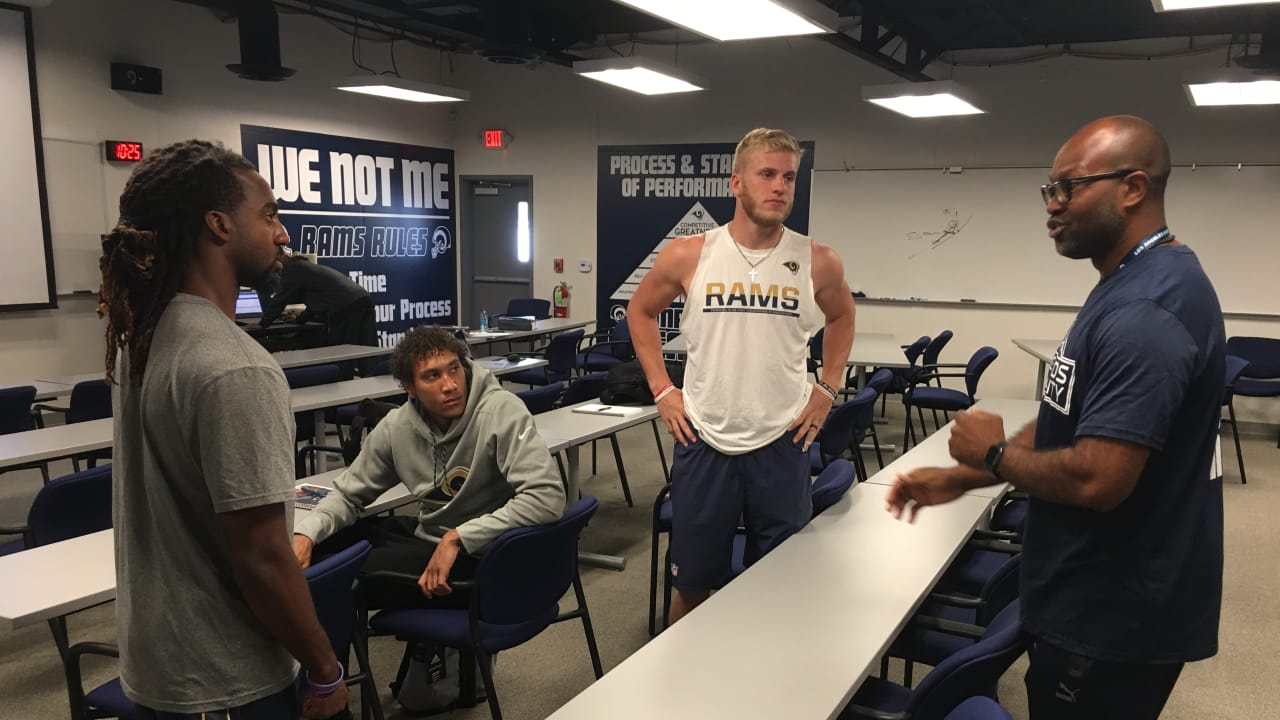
(837, 429)
(584, 387)
(525, 571)
(880, 380)
(1262, 353)
(368, 414)
(915, 349)
(978, 364)
(71, 506)
(15, 409)
(537, 307)
(999, 590)
(979, 708)
(562, 351)
(831, 485)
(541, 399)
(1235, 368)
(311, 375)
(90, 400)
(934, 348)
(973, 670)
(815, 346)
(330, 581)
(621, 331)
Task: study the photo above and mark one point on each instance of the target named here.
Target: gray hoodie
(489, 472)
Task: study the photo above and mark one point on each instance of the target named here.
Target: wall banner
(383, 213)
(648, 195)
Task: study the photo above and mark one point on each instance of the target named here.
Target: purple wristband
(325, 690)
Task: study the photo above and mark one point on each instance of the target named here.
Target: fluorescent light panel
(390, 86)
(743, 19)
(638, 75)
(1251, 92)
(918, 100)
(1172, 5)
(522, 231)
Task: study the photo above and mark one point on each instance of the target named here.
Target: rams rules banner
(380, 212)
(651, 194)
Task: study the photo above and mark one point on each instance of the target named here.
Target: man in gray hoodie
(470, 453)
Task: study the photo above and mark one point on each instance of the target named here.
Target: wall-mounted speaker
(136, 78)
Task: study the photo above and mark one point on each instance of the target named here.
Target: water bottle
(484, 320)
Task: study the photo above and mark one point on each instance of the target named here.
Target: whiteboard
(25, 274)
(980, 234)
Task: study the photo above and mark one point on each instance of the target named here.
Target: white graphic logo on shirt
(1059, 383)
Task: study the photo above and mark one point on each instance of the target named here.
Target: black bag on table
(625, 383)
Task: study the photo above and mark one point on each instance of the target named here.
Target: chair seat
(882, 695)
(971, 569)
(664, 517)
(928, 646)
(111, 698)
(1257, 388)
(936, 398)
(1010, 516)
(979, 708)
(600, 360)
(451, 627)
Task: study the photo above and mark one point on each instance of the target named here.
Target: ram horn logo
(439, 242)
(792, 265)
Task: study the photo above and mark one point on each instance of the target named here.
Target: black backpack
(625, 383)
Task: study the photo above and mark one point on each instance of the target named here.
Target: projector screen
(26, 273)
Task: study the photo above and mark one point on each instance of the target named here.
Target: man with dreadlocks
(211, 602)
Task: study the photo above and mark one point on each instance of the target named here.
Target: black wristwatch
(994, 456)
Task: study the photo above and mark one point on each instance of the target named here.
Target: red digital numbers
(124, 151)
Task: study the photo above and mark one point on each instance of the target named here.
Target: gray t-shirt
(209, 430)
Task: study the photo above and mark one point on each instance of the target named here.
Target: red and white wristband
(663, 392)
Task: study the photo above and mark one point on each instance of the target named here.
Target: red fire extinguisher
(560, 300)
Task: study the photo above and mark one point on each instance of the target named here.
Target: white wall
(558, 120)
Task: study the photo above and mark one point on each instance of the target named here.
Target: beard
(1091, 235)
(762, 217)
(265, 281)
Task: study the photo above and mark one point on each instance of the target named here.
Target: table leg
(572, 490)
(1035, 395)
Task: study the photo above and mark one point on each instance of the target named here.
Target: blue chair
(843, 431)
(541, 399)
(610, 349)
(342, 415)
(974, 670)
(1262, 377)
(562, 358)
(310, 376)
(923, 396)
(925, 638)
(929, 362)
(521, 577)
(979, 708)
(902, 378)
(534, 307)
(1236, 366)
(814, 361)
(331, 583)
(17, 415)
(90, 400)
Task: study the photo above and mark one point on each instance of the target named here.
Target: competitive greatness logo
(382, 213)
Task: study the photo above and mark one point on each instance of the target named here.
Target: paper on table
(614, 410)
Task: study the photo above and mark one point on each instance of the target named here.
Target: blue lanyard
(1159, 237)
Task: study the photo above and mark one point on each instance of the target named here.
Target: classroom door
(497, 244)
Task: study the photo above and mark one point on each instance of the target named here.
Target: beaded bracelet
(321, 690)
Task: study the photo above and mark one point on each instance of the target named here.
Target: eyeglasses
(1060, 190)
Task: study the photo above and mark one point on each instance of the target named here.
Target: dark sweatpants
(1065, 686)
(396, 548)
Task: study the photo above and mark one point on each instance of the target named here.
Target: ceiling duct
(259, 42)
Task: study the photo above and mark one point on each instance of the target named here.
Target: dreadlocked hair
(145, 257)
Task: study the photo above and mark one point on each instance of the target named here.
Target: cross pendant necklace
(753, 272)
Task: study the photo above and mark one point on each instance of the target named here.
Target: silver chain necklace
(753, 265)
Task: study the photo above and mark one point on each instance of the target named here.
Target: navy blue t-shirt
(1143, 363)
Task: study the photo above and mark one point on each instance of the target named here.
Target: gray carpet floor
(535, 679)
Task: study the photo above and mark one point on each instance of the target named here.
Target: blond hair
(767, 139)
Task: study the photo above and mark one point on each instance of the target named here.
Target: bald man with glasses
(1122, 553)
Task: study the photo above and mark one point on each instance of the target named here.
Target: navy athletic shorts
(767, 489)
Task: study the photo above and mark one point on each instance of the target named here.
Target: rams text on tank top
(746, 378)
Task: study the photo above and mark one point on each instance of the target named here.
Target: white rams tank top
(746, 378)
